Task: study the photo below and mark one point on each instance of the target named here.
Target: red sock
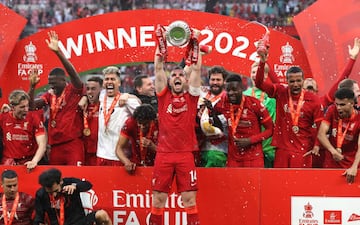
(192, 215)
(156, 217)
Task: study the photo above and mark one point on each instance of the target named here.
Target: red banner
(326, 29)
(128, 37)
(230, 196)
(11, 27)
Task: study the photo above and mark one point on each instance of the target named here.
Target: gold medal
(295, 129)
(53, 123)
(86, 132)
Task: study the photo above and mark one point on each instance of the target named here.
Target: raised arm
(353, 53)
(259, 80)
(160, 75)
(53, 44)
(195, 74)
(34, 80)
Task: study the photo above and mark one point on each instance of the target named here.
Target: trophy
(264, 43)
(178, 33)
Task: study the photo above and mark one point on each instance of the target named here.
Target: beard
(216, 91)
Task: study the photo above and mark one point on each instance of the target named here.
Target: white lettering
(130, 39)
(229, 42)
(118, 217)
(122, 217)
(132, 219)
(24, 70)
(89, 43)
(146, 38)
(100, 38)
(143, 36)
(70, 45)
(123, 199)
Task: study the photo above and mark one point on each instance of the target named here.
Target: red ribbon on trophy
(159, 33)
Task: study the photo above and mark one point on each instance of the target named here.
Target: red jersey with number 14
(176, 122)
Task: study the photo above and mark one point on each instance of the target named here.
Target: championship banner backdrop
(326, 29)
(11, 25)
(128, 37)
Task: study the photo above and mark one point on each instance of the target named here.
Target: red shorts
(69, 153)
(108, 162)
(90, 159)
(167, 165)
(289, 159)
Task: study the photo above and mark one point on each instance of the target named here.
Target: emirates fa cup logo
(30, 55)
(287, 56)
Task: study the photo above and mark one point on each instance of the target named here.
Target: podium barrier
(230, 196)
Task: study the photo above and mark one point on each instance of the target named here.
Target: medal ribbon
(143, 152)
(235, 120)
(295, 114)
(7, 220)
(214, 98)
(55, 104)
(262, 95)
(340, 134)
(159, 33)
(60, 218)
(88, 114)
(107, 113)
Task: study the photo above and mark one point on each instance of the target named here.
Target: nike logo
(8, 124)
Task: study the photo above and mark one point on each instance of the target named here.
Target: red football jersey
(254, 115)
(131, 131)
(311, 113)
(90, 142)
(19, 134)
(69, 120)
(177, 122)
(24, 210)
(350, 144)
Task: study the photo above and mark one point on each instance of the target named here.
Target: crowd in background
(47, 13)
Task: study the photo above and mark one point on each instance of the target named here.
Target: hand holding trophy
(264, 45)
(180, 34)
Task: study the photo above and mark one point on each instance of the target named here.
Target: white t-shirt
(107, 140)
